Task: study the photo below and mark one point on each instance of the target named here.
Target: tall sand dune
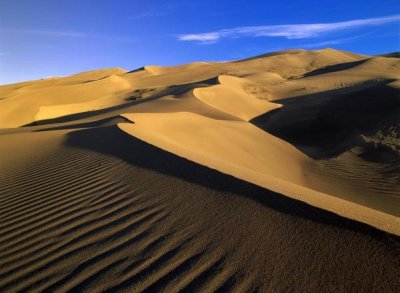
(279, 172)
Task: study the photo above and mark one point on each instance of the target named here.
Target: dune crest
(230, 96)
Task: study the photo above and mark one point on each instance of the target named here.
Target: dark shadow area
(112, 141)
(334, 68)
(97, 123)
(391, 55)
(89, 114)
(271, 54)
(135, 70)
(97, 79)
(171, 90)
(112, 111)
(323, 125)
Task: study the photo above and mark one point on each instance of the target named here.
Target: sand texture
(274, 173)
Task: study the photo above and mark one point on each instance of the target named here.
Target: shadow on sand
(334, 68)
(112, 141)
(323, 125)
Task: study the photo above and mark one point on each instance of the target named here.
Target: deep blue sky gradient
(42, 38)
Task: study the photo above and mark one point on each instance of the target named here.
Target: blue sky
(43, 38)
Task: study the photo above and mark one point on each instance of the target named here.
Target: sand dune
(244, 151)
(274, 173)
(28, 98)
(249, 147)
(230, 96)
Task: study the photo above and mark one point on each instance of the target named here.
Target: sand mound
(46, 99)
(274, 173)
(21, 103)
(93, 75)
(230, 96)
(244, 151)
(220, 144)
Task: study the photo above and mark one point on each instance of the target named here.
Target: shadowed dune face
(332, 122)
(275, 173)
(144, 155)
(334, 68)
(331, 127)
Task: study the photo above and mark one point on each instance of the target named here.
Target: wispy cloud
(288, 31)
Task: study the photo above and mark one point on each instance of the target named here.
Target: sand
(264, 174)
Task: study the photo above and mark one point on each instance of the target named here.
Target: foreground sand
(207, 176)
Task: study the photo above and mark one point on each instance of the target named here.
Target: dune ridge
(246, 153)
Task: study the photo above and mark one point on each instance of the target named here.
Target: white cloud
(205, 37)
(289, 31)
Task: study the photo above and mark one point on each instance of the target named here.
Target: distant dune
(271, 173)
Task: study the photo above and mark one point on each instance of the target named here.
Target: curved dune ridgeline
(273, 173)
